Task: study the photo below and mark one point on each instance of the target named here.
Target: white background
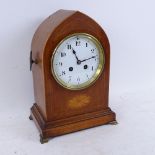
(130, 26)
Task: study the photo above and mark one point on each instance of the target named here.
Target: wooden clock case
(57, 110)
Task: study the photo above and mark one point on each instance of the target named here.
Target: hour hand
(74, 52)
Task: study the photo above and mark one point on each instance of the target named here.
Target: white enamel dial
(77, 61)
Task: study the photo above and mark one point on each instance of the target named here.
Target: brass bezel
(97, 73)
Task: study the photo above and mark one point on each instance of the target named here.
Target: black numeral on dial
(60, 63)
(92, 50)
(69, 47)
(63, 54)
(87, 76)
(63, 72)
(78, 80)
(69, 79)
(92, 68)
(78, 43)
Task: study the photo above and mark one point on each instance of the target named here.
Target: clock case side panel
(57, 108)
(38, 44)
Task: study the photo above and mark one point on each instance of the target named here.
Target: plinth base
(69, 125)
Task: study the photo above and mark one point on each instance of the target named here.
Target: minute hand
(88, 58)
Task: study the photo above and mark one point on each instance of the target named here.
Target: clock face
(77, 61)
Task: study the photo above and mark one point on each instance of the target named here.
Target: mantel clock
(70, 58)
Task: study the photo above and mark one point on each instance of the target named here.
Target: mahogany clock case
(58, 110)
